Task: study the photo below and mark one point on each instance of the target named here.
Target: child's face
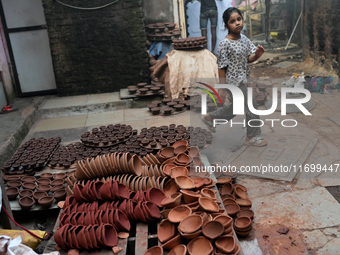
(235, 23)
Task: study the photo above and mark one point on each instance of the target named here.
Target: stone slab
(260, 187)
(304, 209)
(285, 64)
(332, 247)
(105, 118)
(125, 94)
(330, 100)
(181, 119)
(67, 135)
(283, 151)
(272, 242)
(61, 102)
(335, 118)
(102, 98)
(314, 239)
(141, 113)
(60, 123)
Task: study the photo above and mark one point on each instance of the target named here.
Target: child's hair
(227, 13)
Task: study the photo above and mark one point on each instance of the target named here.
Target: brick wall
(96, 51)
(322, 32)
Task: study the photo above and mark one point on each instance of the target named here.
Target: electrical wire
(89, 8)
(42, 238)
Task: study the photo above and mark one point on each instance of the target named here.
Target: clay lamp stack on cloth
(97, 213)
(237, 203)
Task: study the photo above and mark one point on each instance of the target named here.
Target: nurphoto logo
(238, 104)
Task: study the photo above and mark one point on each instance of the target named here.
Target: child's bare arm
(258, 54)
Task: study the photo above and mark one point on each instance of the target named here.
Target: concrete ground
(304, 202)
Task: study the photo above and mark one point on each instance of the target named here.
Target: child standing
(233, 55)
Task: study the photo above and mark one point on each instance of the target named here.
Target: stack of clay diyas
(109, 164)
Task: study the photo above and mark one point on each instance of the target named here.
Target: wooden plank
(212, 176)
(141, 244)
(5, 220)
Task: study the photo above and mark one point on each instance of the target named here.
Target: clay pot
(167, 110)
(240, 193)
(155, 195)
(167, 169)
(180, 143)
(199, 182)
(46, 201)
(225, 244)
(205, 216)
(26, 203)
(182, 158)
(179, 213)
(190, 236)
(57, 187)
(135, 165)
(208, 205)
(227, 188)
(46, 175)
(224, 219)
(178, 250)
(246, 213)
(244, 203)
(121, 221)
(56, 182)
(39, 194)
(28, 179)
(166, 231)
(208, 193)
(109, 236)
(180, 149)
(178, 171)
(240, 186)
(167, 152)
(26, 193)
(156, 250)
(170, 188)
(16, 184)
(184, 182)
(172, 201)
(242, 223)
(177, 240)
(194, 151)
(200, 246)
(165, 213)
(190, 196)
(60, 195)
(44, 181)
(228, 201)
(29, 185)
(43, 187)
(212, 229)
(59, 176)
(191, 224)
(12, 193)
(232, 209)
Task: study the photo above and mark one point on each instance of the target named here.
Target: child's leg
(252, 132)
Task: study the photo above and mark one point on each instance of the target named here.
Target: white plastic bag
(15, 247)
(300, 82)
(290, 82)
